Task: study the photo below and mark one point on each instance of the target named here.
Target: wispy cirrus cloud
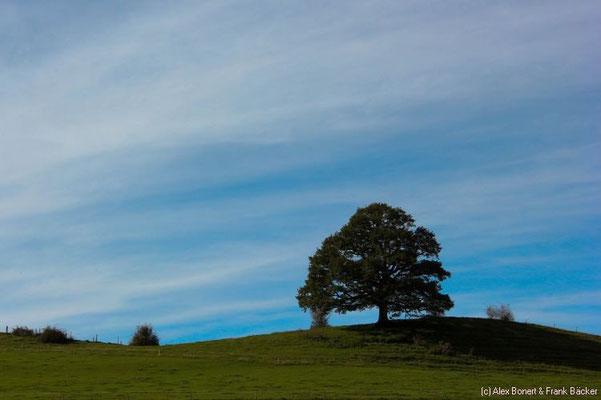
(150, 155)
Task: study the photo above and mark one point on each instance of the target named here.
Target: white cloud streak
(94, 127)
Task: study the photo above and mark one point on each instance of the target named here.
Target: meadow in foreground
(426, 358)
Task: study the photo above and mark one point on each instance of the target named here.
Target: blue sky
(177, 164)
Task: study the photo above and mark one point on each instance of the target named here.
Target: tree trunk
(383, 315)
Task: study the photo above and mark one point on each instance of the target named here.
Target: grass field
(405, 361)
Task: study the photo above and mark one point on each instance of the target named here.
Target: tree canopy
(378, 259)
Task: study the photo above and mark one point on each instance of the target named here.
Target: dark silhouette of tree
(378, 259)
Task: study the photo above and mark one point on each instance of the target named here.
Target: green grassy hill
(429, 358)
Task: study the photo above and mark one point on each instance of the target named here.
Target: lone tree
(378, 259)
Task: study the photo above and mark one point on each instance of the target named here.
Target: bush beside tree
(22, 331)
(144, 336)
(52, 334)
(502, 312)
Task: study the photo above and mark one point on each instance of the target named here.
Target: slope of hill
(429, 358)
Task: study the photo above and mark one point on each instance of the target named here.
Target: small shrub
(22, 331)
(502, 312)
(144, 336)
(52, 334)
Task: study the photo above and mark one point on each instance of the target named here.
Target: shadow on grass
(495, 340)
